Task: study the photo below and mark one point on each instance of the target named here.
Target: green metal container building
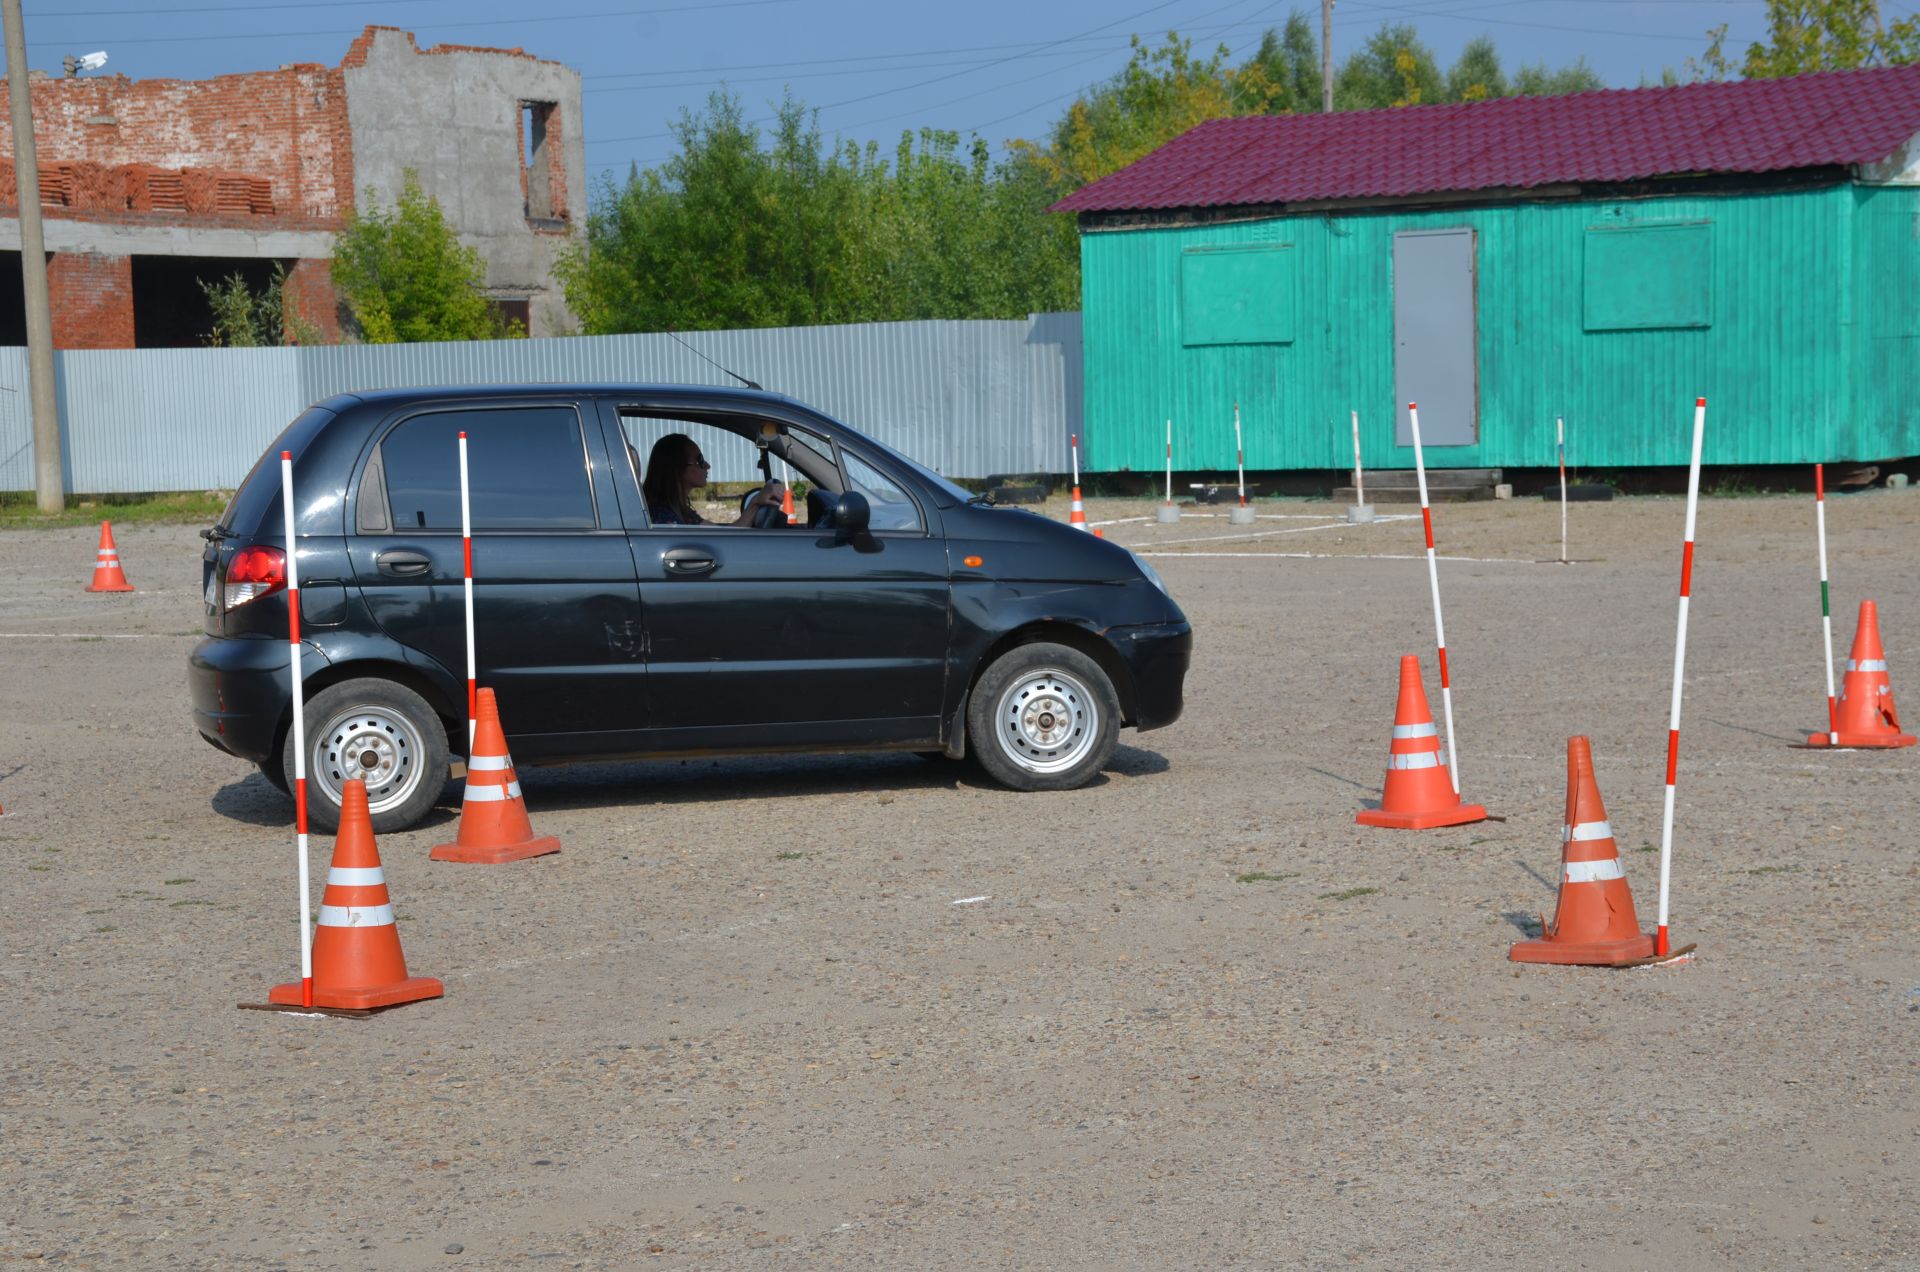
(1605, 257)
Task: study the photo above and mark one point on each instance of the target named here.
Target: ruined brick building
(149, 185)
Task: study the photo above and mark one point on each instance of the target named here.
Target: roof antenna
(709, 361)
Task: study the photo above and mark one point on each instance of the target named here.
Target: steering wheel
(767, 516)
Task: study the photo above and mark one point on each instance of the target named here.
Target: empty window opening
(538, 139)
(171, 309)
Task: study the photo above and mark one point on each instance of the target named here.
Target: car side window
(892, 508)
(526, 470)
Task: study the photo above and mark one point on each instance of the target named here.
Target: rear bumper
(238, 688)
(1158, 654)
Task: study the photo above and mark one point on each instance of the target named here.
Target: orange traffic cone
(1865, 716)
(1419, 792)
(786, 506)
(1078, 517)
(1594, 924)
(357, 963)
(107, 574)
(493, 818)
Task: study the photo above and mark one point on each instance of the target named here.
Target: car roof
(717, 395)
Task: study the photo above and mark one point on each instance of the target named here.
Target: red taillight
(253, 573)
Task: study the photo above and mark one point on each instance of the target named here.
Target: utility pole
(48, 482)
(1325, 56)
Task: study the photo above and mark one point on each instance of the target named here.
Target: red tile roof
(1837, 117)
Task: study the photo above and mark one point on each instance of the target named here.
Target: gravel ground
(741, 1022)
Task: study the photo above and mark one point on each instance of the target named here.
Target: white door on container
(1435, 337)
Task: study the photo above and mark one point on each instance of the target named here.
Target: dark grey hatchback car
(904, 614)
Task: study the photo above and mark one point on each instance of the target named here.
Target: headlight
(1152, 575)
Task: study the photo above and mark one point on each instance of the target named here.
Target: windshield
(951, 492)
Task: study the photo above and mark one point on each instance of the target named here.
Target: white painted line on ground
(91, 636)
(1268, 534)
(970, 900)
(1339, 556)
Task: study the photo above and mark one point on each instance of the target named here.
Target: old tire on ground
(383, 733)
(1043, 718)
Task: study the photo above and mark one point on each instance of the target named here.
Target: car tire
(1043, 717)
(382, 732)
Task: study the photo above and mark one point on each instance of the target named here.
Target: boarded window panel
(1238, 295)
(1646, 276)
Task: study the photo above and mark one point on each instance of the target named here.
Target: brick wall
(309, 287)
(92, 300)
(287, 128)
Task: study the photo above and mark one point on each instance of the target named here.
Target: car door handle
(403, 562)
(688, 561)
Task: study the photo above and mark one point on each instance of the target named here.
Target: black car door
(794, 637)
(556, 606)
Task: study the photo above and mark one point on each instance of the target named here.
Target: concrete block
(1360, 514)
(1503, 491)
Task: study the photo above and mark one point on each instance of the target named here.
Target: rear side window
(526, 470)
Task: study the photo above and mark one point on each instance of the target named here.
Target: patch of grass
(1767, 870)
(175, 905)
(172, 882)
(789, 856)
(20, 511)
(110, 927)
(50, 867)
(1347, 895)
(1261, 876)
(1641, 848)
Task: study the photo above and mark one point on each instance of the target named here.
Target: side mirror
(851, 512)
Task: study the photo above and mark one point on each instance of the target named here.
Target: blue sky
(1000, 68)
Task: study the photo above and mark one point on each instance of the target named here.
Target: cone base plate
(113, 587)
(1682, 955)
(1457, 816)
(1863, 739)
(350, 1013)
(364, 998)
(498, 855)
(1633, 949)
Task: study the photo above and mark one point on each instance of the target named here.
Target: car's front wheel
(383, 733)
(1043, 717)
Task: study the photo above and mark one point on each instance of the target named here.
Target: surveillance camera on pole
(85, 62)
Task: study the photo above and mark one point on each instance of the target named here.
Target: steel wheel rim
(1047, 721)
(377, 745)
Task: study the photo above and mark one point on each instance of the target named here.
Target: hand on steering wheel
(763, 507)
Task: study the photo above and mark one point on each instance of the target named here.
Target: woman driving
(676, 469)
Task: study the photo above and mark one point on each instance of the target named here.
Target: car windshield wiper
(985, 499)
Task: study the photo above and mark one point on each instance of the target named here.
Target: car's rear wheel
(1043, 717)
(382, 733)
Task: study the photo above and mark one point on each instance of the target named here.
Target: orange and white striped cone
(1078, 517)
(1418, 792)
(786, 506)
(107, 574)
(1594, 924)
(493, 817)
(1865, 714)
(357, 962)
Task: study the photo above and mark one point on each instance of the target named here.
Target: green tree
(1393, 68)
(1476, 76)
(244, 318)
(1536, 79)
(406, 277)
(1162, 92)
(1289, 61)
(1826, 35)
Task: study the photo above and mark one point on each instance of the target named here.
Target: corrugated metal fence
(967, 398)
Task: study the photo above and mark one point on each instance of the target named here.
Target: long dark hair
(661, 485)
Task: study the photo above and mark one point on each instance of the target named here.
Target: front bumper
(238, 687)
(1158, 655)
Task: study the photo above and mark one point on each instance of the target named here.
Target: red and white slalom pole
(1826, 610)
(1169, 463)
(298, 737)
(1433, 578)
(1078, 516)
(1359, 484)
(1679, 672)
(466, 557)
(1240, 456)
(1560, 448)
